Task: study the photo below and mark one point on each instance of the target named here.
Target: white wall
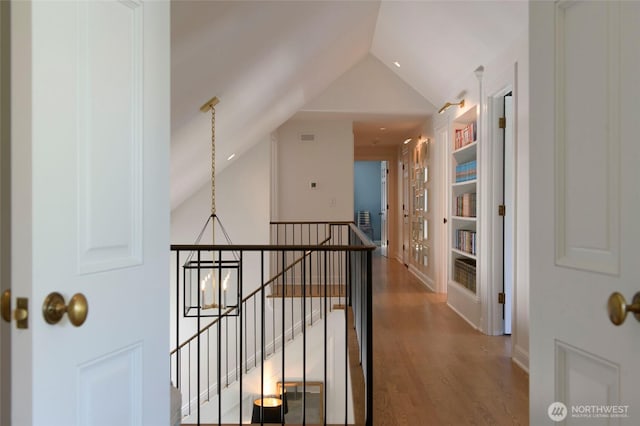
(328, 162)
(509, 67)
(370, 87)
(242, 201)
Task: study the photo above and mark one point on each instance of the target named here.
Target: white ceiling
(439, 43)
(266, 60)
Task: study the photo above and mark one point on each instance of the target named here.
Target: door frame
(494, 309)
(394, 230)
(5, 206)
(384, 206)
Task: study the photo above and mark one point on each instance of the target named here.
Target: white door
(584, 154)
(90, 210)
(384, 208)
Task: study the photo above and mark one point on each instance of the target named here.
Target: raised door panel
(110, 135)
(588, 135)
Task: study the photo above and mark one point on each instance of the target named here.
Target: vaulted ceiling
(266, 60)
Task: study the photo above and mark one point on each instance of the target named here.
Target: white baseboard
(475, 327)
(428, 282)
(521, 358)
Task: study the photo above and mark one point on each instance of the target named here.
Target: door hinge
(502, 210)
(501, 298)
(502, 123)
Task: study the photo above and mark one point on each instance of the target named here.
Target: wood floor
(431, 367)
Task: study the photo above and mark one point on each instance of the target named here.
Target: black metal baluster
(291, 297)
(241, 330)
(262, 331)
(189, 371)
(198, 347)
(326, 320)
(304, 343)
(282, 389)
(255, 334)
(219, 335)
(346, 344)
(178, 318)
(208, 375)
(246, 342)
(369, 333)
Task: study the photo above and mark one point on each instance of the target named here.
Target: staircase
(250, 340)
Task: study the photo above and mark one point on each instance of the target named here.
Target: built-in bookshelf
(420, 214)
(464, 201)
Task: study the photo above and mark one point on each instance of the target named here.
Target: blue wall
(367, 186)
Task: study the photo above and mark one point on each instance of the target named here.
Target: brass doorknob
(54, 308)
(618, 308)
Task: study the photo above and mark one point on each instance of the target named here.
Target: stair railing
(316, 263)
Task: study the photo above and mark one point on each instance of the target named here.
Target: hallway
(431, 367)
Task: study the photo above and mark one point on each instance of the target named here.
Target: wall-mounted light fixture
(450, 104)
(407, 141)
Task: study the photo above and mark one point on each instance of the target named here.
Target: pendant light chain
(211, 105)
(213, 161)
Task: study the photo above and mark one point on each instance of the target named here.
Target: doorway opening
(504, 225)
(371, 201)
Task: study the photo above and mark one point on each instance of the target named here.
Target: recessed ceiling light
(407, 141)
(397, 64)
(383, 128)
(230, 157)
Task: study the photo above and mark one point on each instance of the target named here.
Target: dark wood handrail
(267, 247)
(311, 222)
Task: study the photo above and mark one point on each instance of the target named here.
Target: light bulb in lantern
(202, 284)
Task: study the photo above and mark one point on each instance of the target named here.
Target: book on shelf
(465, 135)
(466, 204)
(466, 241)
(466, 171)
(464, 273)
